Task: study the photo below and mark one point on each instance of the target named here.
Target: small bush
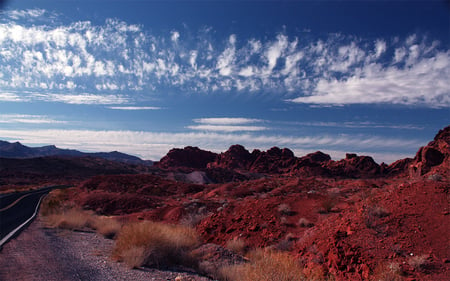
(55, 202)
(327, 204)
(108, 227)
(387, 272)
(419, 262)
(155, 244)
(70, 219)
(378, 212)
(284, 209)
(192, 219)
(265, 265)
(237, 245)
(435, 177)
(303, 222)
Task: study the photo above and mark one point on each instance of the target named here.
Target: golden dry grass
(57, 213)
(237, 245)
(155, 244)
(387, 272)
(70, 219)
(265, 265)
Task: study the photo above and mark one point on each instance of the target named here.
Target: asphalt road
(17, 208)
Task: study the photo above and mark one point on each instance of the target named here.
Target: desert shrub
(286, 243)
(435, 177)
(387, 272)
(108, 227)
(70, 219)
(372, 216)
(284, 209)
(378, 212)
(192, 219)
(265, 265)
(237, 245)
(303, 222)
(327, 204)
(55, 202)
(155, 244)
(419, 262)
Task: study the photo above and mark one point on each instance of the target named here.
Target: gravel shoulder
(45, 254)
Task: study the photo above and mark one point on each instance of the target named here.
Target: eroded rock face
(236, 157)
(354, 166)
(190, 157)
(434, 156)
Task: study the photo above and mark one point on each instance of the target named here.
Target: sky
(143, 77)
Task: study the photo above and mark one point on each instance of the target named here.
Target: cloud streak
(119, 62)
(134, 108)
(152, 145)
(227, 124)
(28, 119)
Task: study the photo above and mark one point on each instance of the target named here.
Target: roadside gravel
(45, 254)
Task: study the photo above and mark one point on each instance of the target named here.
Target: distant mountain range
(19, 151)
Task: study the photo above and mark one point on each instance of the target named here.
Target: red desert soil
(354, 219)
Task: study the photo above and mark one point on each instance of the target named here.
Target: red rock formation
(190, 157)
(236, 157)
(435, 156)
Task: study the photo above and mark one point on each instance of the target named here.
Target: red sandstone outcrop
(434, 156)
(189, 157)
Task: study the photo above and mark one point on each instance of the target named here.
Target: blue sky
(142, 77)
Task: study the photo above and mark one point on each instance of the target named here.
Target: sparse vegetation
(419, 262)
(327, 205)
(284, 209)
(378, 212)
(155, 244)
(237, 245)
(303, 222)
(435, 177)
(265, 265)
(58, 213)
(106, 226)
(387, 272)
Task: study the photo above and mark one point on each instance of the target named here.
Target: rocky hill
(20, 151)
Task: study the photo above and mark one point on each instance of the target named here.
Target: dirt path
(48, 254)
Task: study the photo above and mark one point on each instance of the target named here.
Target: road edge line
(7, 237)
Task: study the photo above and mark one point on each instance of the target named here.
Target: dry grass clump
(58, 214)
(55, 202)
(237, 245)
(155, 244)
(284, 209)
(327, 205)
(303, 222)
(378, 212)
(108, 227)
(265, 265)
(419, 262)
(387, 272)
(70, 219)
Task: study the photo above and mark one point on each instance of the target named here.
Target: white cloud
(151, 145)
(425, 83)
(225, 128)
(83, 98)
(275, 51)
(226, 121)
(41, 55)
(380, 48)
(174, 36)
(134, 107)
(10, 97)
(28, 119)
